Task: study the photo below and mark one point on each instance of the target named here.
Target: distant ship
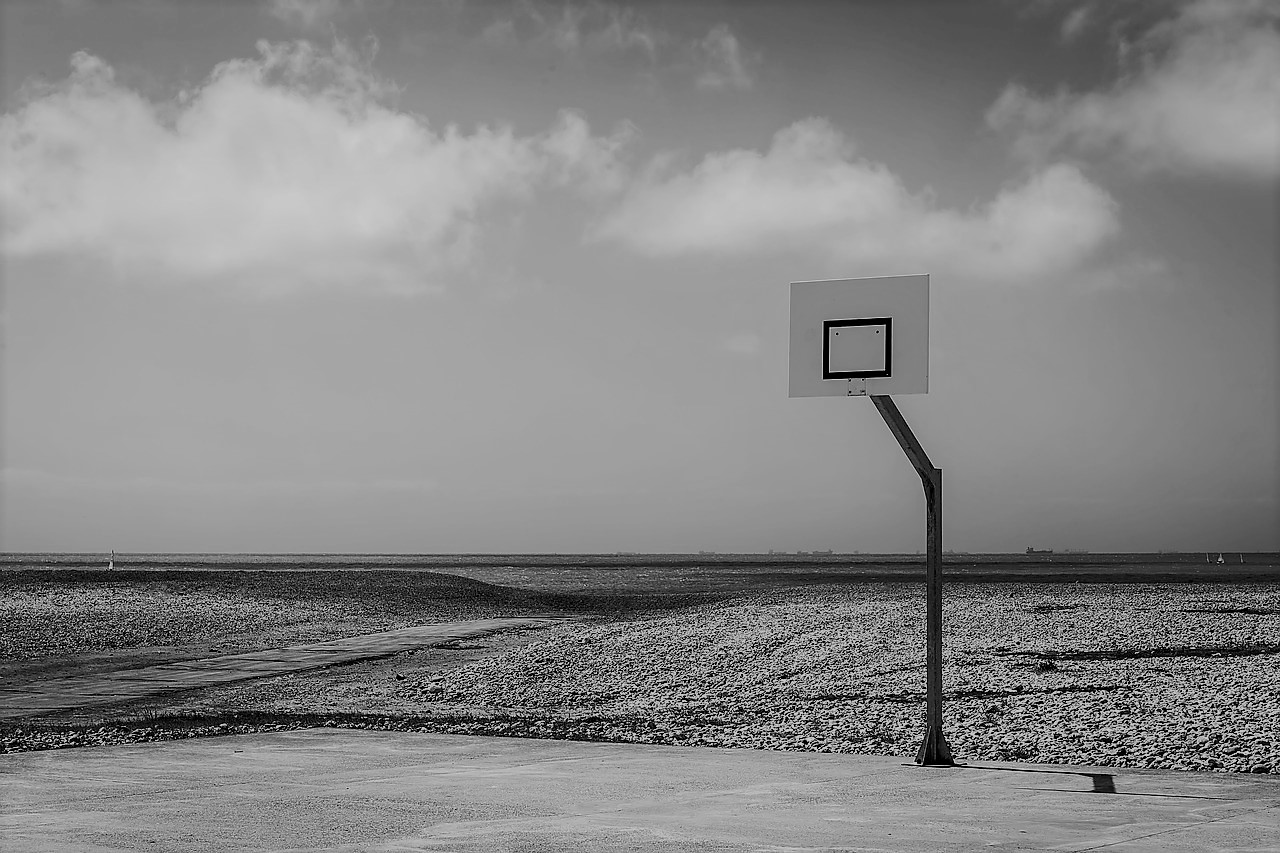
(1039, 551)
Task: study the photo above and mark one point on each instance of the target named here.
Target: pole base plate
(934, 751)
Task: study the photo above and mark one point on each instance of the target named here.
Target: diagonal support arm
(898, 426)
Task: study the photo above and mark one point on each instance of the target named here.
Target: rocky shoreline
(1179, 678)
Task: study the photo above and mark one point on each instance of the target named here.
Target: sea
(702, 571)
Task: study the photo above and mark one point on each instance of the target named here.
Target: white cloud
(1076, 22)
(625, 31)
(1202, 96)
(500, 33)
(305, 14)
(281, 171)
(725, 64)
(809, 193)
(572, 29)
(717, 60)
(576, 157)
(566, 30)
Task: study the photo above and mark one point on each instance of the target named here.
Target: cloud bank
(281, 171)
(1201, 96)
(293, 169)
(810, 193)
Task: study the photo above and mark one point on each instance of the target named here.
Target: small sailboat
(111, 561)
(1220, 560)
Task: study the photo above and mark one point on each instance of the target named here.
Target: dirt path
(125, 686)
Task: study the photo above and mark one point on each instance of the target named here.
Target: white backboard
(856, 336)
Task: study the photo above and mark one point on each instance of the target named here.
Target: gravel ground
(1115, 675)
(1171, 676)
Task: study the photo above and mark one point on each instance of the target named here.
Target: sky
(512, 276)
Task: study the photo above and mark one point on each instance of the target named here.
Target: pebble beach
(1183, 677)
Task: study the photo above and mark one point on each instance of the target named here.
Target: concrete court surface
(339, 790)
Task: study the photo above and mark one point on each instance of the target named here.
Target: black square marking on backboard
(828, 325)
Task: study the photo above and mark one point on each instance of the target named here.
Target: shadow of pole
(1103, 783)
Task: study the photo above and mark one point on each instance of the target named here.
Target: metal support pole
(934, 749)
